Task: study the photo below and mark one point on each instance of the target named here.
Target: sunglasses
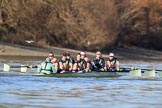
(50, 55)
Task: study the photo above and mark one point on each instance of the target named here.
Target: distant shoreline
(13, 50)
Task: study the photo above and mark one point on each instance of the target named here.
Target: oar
(147, 72)
(143, 69)
(113, 70)
(23, 68)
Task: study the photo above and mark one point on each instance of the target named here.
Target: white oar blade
(6, 67)
(135, 73)
(150, 73)
(160, 73)
(23, 69)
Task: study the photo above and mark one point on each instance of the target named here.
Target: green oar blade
(150, 73)
(6, 67)
(135, 73)
(23, 68)
(160, 73)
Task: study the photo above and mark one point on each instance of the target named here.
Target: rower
(98, 62)
(82, 61)
(47, 67)
(112, 63)
(53, 60)
(77, 63)
(70, 61)
(88, 64)
(63, 63)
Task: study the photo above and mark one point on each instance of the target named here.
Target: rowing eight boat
(134, 73)
(115, 73)
(86, 75)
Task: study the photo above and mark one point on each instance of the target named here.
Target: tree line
(82, 24)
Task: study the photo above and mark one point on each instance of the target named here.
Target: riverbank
(7, 49)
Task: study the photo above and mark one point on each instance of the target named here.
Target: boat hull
(83, 75)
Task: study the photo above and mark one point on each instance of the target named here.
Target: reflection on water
(38, 92)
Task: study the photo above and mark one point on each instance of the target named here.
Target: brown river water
(22, 90)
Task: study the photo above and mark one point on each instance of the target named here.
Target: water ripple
(26, 91)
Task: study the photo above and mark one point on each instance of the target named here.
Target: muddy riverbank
(29, 51)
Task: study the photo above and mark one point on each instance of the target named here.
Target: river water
(22, 90)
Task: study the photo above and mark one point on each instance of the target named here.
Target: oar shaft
(35, 67)
(18, 66)
(30, 66)
(151, 69)
(114, 70)
(143, 69)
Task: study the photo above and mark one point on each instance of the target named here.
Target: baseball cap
(82, 53)
(111, 55)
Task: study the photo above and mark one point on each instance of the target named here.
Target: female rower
(80, 63)
(47, 67)
(98, 62)
(77, 63)
(88, 64)
(112, 63)
(53, 60)
(63, 64)
(70, 61)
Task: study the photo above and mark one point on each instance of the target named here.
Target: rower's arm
(53, 68)
(108, 65)
(40, 68)
(103, 63)
(93, 63)
(60, 65)
(117, 64)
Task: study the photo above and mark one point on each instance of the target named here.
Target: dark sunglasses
(51, 56)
